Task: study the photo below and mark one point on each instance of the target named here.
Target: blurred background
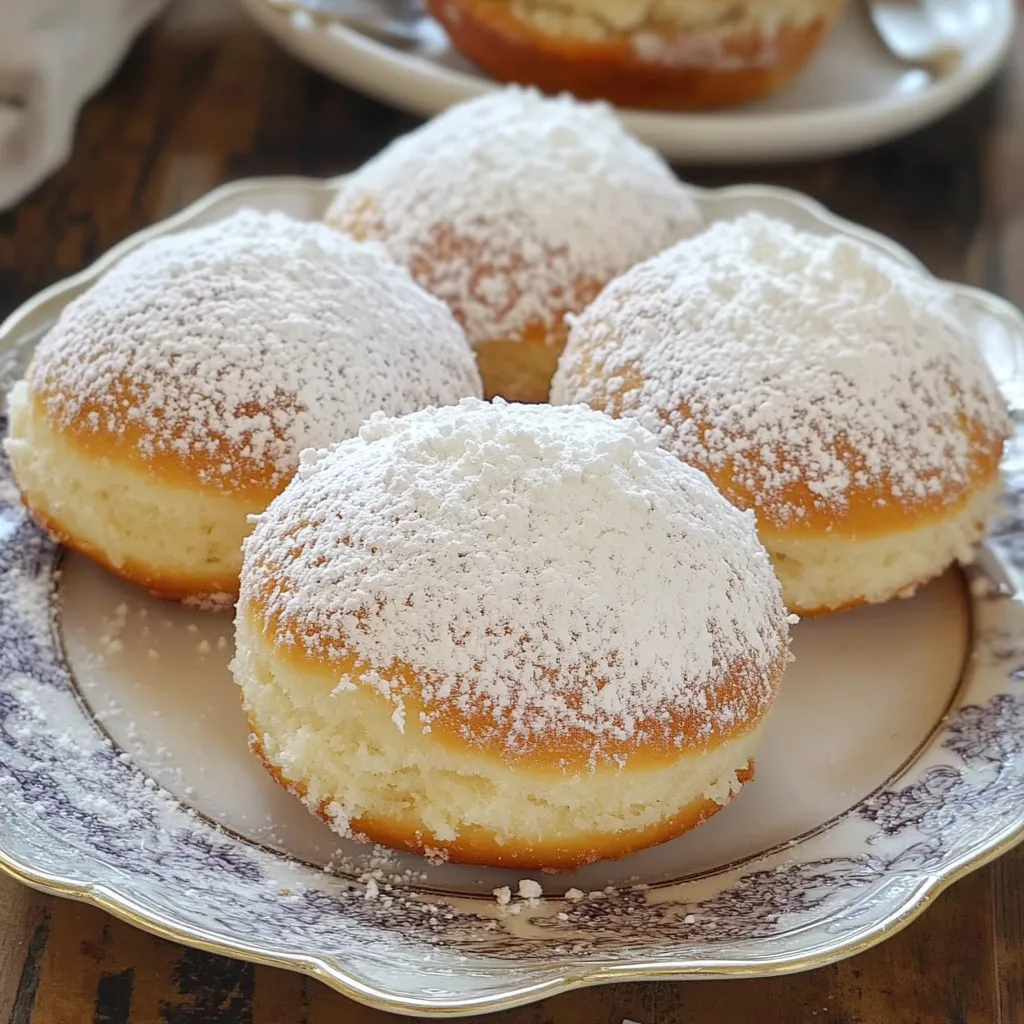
(128, 109)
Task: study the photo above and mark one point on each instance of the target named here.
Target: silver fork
(928, 34)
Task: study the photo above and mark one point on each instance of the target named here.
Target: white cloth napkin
(53, 55)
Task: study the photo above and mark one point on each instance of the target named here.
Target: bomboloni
(516, 209)
(172, 398)
(508, 635)
(817, 381)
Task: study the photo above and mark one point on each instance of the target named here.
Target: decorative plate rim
(632, 968)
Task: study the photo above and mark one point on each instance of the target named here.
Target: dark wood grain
(24, 932)
(204, 98)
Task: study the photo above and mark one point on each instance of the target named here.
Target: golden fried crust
(869, 511)
(478, 846)
(99, 431)
(512, 50)
(521, 371)
(101, 446)
(654, 741)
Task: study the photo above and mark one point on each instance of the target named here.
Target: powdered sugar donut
(518, 635)
(815, 380)
(172, 399)
(516, 209)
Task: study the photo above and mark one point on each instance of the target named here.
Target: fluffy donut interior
(176, 540)
(826, 572)
(345, 751)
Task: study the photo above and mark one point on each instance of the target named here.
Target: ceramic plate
(852, 94)
(893, 763)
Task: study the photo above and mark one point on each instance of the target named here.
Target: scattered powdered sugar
(219, 601)
(789, 359)
(530, 889)
(240, 343)
(113, 627)
(545, 571)
(511, 205)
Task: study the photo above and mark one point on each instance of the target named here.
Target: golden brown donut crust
(94, 443)
(655, 741)
(134, 445)
(511, 50)
(521, 370)
(868, 512)
(475, 845)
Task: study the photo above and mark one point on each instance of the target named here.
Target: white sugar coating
(529, 889)
(239, 343)
(799, 357)
(506, 204)
(544, 571)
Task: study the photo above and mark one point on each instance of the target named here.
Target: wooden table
(204, 98)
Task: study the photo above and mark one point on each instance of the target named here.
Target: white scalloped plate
(894, 763)
(851, 95)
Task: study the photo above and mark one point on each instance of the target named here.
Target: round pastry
(509, 635)
(516, 210)
(172, 398)
(827, 386)
(667, 54)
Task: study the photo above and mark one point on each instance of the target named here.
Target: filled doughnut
(515, 210)
(661, 54)
(826, 386)
(509, 635)
(172, 398)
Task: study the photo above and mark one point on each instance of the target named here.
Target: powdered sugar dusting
(548, 570)
(511, 206)
(789, 358)
(235, 345)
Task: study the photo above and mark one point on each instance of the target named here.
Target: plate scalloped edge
(78, 820)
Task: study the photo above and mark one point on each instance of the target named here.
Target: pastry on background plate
(516, 210)
(662, 54)
(172, 398)
(507, 634)
(815, 380)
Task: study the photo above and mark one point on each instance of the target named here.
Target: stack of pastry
(512, 634)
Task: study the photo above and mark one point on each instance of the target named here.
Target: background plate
(852, 94)
(894, 763)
